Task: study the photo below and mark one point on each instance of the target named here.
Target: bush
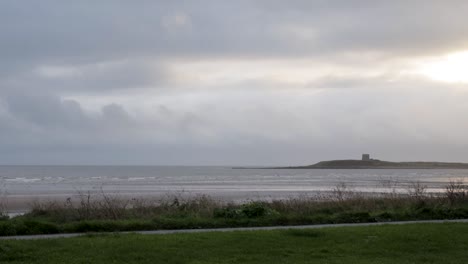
(249, 210)
(228, 212)
(384, 217)
(254, 210)
(7, 229)
(356, 217)
(30, 227)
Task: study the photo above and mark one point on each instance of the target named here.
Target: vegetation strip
(266, 228)
(111, 214)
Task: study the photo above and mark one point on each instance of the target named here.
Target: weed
(456, 191)
(417, 190)
(3, 199)
(340, 191)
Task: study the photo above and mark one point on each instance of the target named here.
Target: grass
(415, 243)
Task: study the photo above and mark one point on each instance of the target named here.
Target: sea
(23, 184)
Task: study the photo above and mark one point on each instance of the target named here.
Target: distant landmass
(379, 164)
(367, 163)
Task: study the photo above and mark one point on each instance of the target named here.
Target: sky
(258, 82)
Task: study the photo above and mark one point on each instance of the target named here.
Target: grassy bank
(416, 243)
(108, 214)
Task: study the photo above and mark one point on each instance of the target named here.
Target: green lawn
(413, 243)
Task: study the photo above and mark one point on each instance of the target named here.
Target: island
(367, 163)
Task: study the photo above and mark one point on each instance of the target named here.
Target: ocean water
(221, 182)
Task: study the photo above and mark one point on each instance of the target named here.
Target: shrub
(228, 212)
(456, 191)
(254, 210)
(248, 210)
(38, 227)
(417, 190)
(384, 217)
(355, 217)
(7, 229)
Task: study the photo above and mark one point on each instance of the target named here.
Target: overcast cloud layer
(232, 82)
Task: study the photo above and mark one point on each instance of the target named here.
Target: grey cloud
(45, 110)
(251, 127)
(378, 82)
(86, 31)
(51, 120)
(109, 76)
(57, 55)
(396, 27)
(115, 113)
(51, 113)
(104, 77)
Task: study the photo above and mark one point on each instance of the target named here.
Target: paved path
(164, 232)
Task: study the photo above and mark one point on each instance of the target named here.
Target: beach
(22, 186)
